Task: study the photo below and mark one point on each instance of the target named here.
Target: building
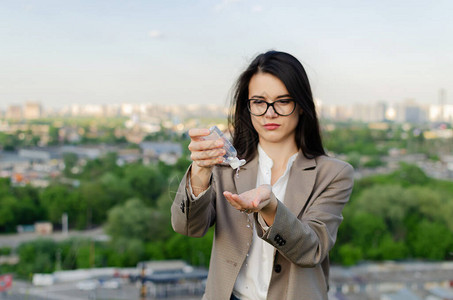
(32, 110)
(441, 113)
(370, 113)
(14, 112)
(392, 280)
(411, 112)
(167, 152)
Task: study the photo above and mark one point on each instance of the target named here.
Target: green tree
(8, 207)
(132, 219)
(126, 252)
(93, 202)
(396, 216)
(431, 241)
(389, 202)
(36, 257)
(354, 159)
(196, 251)
(369, 230)
(59, 199)
(409, 174)
(8, 142)
(117, 189)
(70, 161)
(389, 249)
(18, 205)
(146, 181)
(54, 135)
(28, 206)
(349, 254)
(96, 167)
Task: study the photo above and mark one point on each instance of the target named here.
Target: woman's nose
(271, 112)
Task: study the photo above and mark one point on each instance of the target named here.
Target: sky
(192, 51)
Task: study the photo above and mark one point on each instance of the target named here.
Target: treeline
(403, 215)
(91, 130)
(47, 256)
(88, 196)
(399, 216)
(131, 202)
(364, 146)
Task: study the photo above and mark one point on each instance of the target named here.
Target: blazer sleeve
(193, 217)
(307, 241)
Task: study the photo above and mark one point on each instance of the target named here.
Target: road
(14, 240)
(69, 291)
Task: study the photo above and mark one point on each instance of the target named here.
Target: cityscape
(134, 122)
(48, 152)
(408, 110)
(96, 100)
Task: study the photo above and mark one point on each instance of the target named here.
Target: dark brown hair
(291, 72)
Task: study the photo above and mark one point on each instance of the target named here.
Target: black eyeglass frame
(271, 104)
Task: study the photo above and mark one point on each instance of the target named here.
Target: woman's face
(271, 127)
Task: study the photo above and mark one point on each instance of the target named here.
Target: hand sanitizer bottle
(230, 156)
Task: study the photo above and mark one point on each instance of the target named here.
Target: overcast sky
(191, 51)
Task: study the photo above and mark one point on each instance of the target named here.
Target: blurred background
(96, 98)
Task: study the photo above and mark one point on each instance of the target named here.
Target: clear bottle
(230, 156)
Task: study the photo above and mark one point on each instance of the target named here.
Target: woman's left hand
(252, 200)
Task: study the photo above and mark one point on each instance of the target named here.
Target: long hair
(291, 72)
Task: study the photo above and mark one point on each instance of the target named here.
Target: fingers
(255, 203)
(205, 153)
(200, 145)
(207, 158)
(229, 197)
(238, 203)
(198, 141)
(252, 200)
(198, 132)
(232, 199)
(204, 163)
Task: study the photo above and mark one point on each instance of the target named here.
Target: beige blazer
(303, 233)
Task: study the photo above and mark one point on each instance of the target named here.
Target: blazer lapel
(244, 182)
(300, 183)
(247, 176)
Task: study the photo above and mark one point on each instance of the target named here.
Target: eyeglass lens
(281, 107)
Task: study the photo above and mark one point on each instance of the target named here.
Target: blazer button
(277, 268)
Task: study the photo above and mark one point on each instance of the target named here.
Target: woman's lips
(271, 126)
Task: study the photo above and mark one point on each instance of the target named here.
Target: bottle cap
(235, 162)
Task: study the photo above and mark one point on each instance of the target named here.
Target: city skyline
(104, 52)
(405, 111)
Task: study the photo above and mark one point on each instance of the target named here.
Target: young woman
(276, 222)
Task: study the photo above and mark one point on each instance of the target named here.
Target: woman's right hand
(204, 154)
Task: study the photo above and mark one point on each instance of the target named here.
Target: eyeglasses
(283, 107)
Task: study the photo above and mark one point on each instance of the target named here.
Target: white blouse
(253, 280)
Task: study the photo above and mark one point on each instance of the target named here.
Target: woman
(275, 222)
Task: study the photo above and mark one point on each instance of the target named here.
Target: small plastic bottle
(230, 156)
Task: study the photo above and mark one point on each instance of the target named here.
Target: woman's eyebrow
(278, 97)
(284, 96)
